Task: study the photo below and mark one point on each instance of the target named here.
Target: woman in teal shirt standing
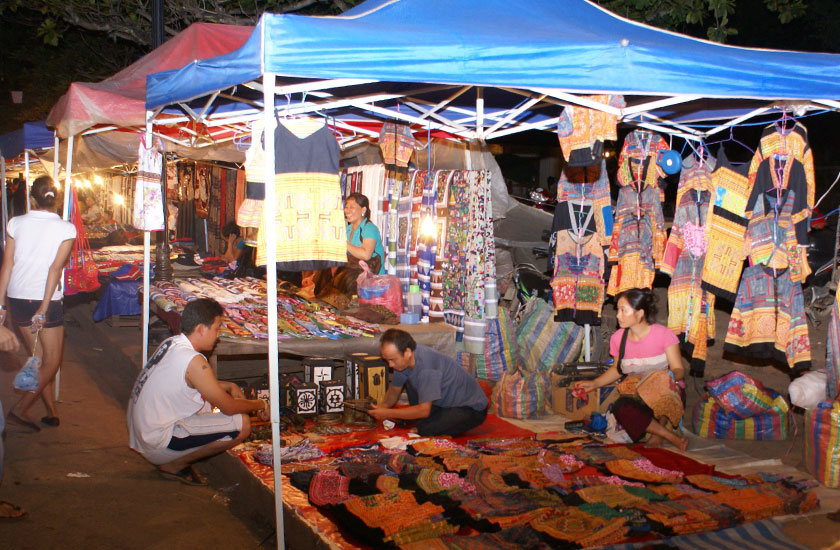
(363, 239)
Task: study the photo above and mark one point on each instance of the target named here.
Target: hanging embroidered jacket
(309, 221)
(778, 174)
(726, 230)
(690, 308)
(768, 320)
(771, 236)
(637, 161)
(588, 186)
(776, 140)
(638, 240)
(577, 286)
(582, 131)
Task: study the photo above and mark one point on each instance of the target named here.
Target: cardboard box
(565, 403)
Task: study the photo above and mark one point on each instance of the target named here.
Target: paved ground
(125, 504)
(82, 485)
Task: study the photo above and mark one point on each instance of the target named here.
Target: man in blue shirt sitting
(444, 398)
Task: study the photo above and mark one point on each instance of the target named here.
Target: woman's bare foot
(654, 441)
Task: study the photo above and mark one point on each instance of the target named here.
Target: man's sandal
(186, 475)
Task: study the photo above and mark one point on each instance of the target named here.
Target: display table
(118, 298)
(439, 336)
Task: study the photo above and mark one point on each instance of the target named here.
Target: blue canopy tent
(415, 61)
(32, 136)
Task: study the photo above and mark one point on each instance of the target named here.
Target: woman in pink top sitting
(646, 357)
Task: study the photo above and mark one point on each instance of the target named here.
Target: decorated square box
(303, 398)
(373, 378)
(317, 369)
(331, 397)
(351, 365)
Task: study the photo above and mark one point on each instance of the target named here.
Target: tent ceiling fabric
(120, 99)
(532, 44)
(33, 135)
(110, 149)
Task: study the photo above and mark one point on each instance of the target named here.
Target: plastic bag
(383, 290)
(809, 389)
(27, 378)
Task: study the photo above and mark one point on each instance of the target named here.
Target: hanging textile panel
(454, 283)
(726, 231)
(309, 222)
(690, 308)
(768, 320)
(441, 208)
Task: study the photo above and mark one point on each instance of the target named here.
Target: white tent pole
(56, 164)
(5, 204)
(738, 120)
(479, 113)
(26, 175)
(271, 288)
(147, 240)
(65, 214)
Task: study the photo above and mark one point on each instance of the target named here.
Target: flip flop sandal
(186, 476)
(11, 511)
(196, 476)
(23, 422)
(50, 420)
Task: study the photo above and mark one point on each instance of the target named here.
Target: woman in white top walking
(38, 245)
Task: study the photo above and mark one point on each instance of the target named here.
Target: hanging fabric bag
(81, 275)
(148, 199)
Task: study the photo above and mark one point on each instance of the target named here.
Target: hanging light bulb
(98, 179)
(119, 200)
(428, 228)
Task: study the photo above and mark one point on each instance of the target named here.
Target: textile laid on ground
(521, 493)
(582, 131)
(577, 286)
(309, 220)
(691, 310)
(638, 239)
(758, 535)
(246, 314)
(768, 320)
(727, 227)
